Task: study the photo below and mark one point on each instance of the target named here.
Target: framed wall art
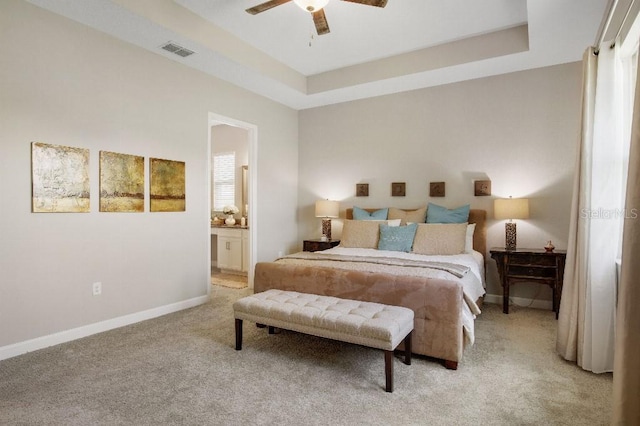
(398, 189)
(362, 189)
(59, 178)
(482, 188)
(436, 189)
(121, 182)
(167, 185)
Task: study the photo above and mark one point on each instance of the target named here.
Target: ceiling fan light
(311, 5)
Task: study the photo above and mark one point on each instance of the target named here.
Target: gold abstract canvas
(60, 179)
(121, 182)
(167, 186)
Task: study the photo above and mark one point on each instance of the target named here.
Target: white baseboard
(520, 301)
(20, 348)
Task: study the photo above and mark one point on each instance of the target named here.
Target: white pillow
(468, 243)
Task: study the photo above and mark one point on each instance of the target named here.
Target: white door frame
(252, 130)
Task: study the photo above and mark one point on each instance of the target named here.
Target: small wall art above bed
(436, 189)
(398, 189)
(482, 188)
(362, 189)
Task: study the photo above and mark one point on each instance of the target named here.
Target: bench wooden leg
(407, 349)
(238, 334)
(388, 370)
(272, 329)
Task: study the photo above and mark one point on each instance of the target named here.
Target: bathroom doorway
(232, 183)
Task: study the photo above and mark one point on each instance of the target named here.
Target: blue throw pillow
(397, 238)
(439, 214)
(360, 214)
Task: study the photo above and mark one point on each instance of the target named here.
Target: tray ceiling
(370, 51)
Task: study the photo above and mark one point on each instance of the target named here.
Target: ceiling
(370, 51)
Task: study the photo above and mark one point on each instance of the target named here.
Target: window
(224, 180)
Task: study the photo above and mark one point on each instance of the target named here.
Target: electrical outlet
(97, 289)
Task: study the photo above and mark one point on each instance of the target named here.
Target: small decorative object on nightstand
(549, 246)
(532, 265)
(319, 245)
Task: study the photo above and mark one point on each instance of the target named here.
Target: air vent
(177, 49)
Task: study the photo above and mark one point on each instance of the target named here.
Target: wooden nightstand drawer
(525, 259)
(530, 271)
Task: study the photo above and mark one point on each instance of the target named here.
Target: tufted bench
(364, 323)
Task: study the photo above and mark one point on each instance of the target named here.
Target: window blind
(224, 180)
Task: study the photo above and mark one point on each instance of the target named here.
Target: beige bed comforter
(441, 290)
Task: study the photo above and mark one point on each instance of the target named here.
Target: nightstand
(531, 265)
(318, 245)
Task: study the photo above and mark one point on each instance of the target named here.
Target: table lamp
(326, 209)
(511, 208)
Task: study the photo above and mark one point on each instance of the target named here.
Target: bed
(444, 291)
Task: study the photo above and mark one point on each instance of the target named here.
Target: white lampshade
(327, 208)
(511, 208)
(311, 5)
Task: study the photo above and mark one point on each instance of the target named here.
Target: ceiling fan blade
(322, 26)
(376, 3)
(266, 6)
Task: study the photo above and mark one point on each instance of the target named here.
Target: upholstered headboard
(477, 216)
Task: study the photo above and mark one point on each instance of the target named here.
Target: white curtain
(587, 313)
(626, 378)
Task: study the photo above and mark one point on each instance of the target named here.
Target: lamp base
(510, 235)
(326, 228)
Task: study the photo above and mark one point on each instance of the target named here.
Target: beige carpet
(229, 280)
(182, 369)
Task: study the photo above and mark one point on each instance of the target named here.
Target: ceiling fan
(315, 7)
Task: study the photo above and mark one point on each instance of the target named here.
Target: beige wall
(63, 83)
(518, 130)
